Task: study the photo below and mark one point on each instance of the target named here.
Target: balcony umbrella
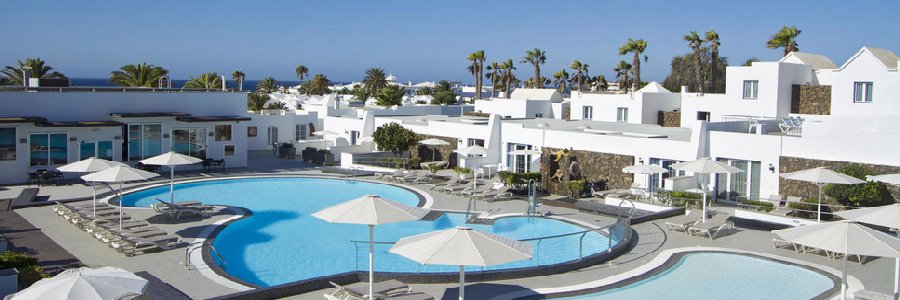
(119, 174)
(462, 246)
(370, 210)
(847, 237)
(90, 165)
(85, 284)
(434, 142)
(645, 169)
(171, 160)
(706, 166)
(820, 176)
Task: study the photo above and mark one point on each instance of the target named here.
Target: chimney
(684, 89)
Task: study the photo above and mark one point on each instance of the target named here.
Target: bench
(25, 197)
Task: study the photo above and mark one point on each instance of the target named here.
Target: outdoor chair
(495, 194)
(779, 243)
(175, 211)
(361, 290)
(683, 222)
(452, 181)
(130, 245)
(469, 191)
(712, 227)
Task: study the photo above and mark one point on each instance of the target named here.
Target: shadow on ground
(483, 291)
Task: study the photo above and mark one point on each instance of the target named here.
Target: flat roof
(149, 115)
(80, 124)
(213, 119)
(12, 120)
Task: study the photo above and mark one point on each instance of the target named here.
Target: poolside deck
(168, 266)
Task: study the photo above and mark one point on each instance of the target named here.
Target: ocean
(249, 85)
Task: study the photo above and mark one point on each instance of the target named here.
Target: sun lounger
(779, 243)
(438, 186)
(411, 296)
(712, 227)
(175, 211)
(469, 191)
(683, 222)
(109, 235)
(495, 194)
(130, 245)
(388, 289)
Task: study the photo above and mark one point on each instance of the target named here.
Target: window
(101, 149)
(354, 136)
(659, 180)
(300, 132)
(7, 144)
(587, 112)
(473, 142)
(273, 135)
(622, 114)
(538, 115)
(49, 149)
(190, 141)
(862, 92)
(251, 131)
(223, 133)
(518, 163)
(229, 150)
(744, 184)
(144, 141)
(703, 116)
(751, 89)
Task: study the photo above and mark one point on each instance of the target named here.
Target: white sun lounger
(683, 222)
(712, 227)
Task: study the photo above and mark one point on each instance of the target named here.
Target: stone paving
(169, 266)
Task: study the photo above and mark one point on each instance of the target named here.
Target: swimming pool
(282, 243)
(719, 275)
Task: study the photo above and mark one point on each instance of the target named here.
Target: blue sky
(417, 40)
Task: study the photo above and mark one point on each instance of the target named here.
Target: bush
(765, 206)
(461, 170)
(807, 209)
(864, 194)
(511, 178)
(311, 149)
(680, 199)
(575, 187)
(433, 168)
(29, 271)
(395, 138)
(414, 163)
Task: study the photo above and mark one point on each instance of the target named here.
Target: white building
(525, 103)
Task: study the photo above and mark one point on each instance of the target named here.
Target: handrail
(190, 249)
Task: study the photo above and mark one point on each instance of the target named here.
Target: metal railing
(212, 249)
(547, 250)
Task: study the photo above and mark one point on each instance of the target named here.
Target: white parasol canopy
(886, 216)
(845, 237)
(119, 174)
(461, 246)
(370, 210)
(90, 165)
(706, 166)
(645, 169)
(886, 178)
(86, 284)
(171, 159)
(434, 142)
(821, 176)
(472, 150)
(525, 152)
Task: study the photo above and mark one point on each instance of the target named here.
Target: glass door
(519, 163)
(98, 149)
(87, 150)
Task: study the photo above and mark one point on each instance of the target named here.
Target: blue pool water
(723, 276)
(282, 243)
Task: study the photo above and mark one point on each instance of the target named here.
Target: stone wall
(594, 166)
(441, 153)
(811, 99)
(808, 190)
(477, 114)
(670, 118)
(567, 112)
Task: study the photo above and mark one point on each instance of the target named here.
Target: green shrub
(461, 170)
(511, 178)
(433, 168)
(680, 199)
(765, 206)
(414, 162)
(807, 209)
(29, 271)
(575, 187)
(865, 194)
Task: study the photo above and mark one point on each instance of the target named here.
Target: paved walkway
(169, 266)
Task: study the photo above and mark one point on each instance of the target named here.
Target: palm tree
(600, 83)
(443, 86)
(318, 85)
(580, 74)
(508, 77)
(493, 73)
(477, 70)
(256, 101)
(785, 38)
(560, 79)
(536, 58)
(37, 67)
(140, 75)
(425, 91)
(267, 86)
(712, 37)
(621, 70)
(637, 48)
(302, 71)
(374, 81)
(390, 96)
(696, 43)
(238, 77)
(208, 81)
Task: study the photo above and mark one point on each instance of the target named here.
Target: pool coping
(666, 259)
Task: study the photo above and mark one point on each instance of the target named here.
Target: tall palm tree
(476, 68)
(636, 47)
(508, 77)
(36, 66)
(599, 83)
(267, 86)
(209, 81)
(302, 71)
(256, 101)
(785, 38)
(318, 85)
(494, 74)
(712, 37)
(696, 43)
(425, 91)
(374, 81)
(560, 79)
(579, 74)
(140, 75)
(238, 77)
(536, 58)
(443, 86)
(622, 70)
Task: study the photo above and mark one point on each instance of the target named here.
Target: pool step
(432, 215)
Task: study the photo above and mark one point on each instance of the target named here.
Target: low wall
(809, 190)
(757, 219)
(594, 167)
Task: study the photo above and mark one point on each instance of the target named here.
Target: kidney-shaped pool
(281, 242)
